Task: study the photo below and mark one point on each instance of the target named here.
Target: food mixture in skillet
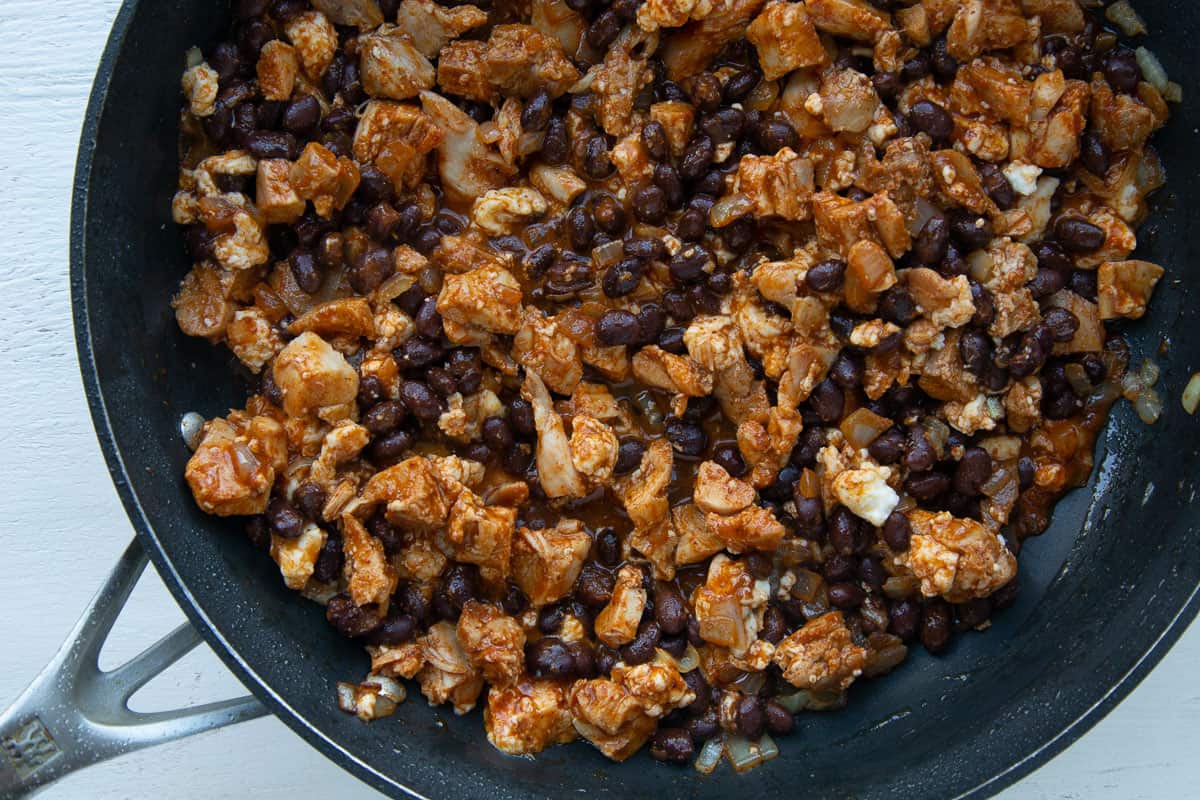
(649, 371)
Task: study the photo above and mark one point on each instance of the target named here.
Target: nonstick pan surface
(1103, 594)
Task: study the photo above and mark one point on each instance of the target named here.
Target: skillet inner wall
(1090, 605)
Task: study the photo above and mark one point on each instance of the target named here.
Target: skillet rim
(1075, 721)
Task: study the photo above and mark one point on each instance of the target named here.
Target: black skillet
(1103, 594)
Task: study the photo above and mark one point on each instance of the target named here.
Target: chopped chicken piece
(657, 686)
(233, 468)
(556, 468)
(488, 298)
(297, 558)
(785, 38)
(617, 82)
(958, 559)
(391, 65)
(617, 623)
(397, 660)
(431, 25)
(503, 211)
(412, 492)
(273, 192)
(362, 14)
(546, 562)
(776, 186)
(448, 674)
(1023, 404)
(866, 492)
(315, 40)
(593, 449)
(766, 448)
(397, 137)
(644, 491)
(541, 345)
(493, 641)
(277, 68)
(201, 84)
(559, 184)
(821, 655)
(312, 375)
(696, 542)
(725, 605)
(753, 528)
(689, 50)
(678, 120)
(945, 302)
(610, 717)
(521, 60)
(848, 101)
(717, 492)
(655, 14)
(656, 367)
(854, 19)
(1125, 287)
(327, 180)
(468, 166)
(528, 716)
(370, 578)
(252, 338)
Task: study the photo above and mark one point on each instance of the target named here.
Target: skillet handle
(74, 715)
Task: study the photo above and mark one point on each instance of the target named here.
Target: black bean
(827, 400)
(629, 456)
(310, 498)
(973, 470)
(1046, 282)
(442, 382)
(690, 264)
(930, 118)
(556, 145)
(595, 586)
(779, 720)
(1062, 322)
(916, 67)
(302, 116)
(1031, 353)
(724, 125)
(1122, 71)
(596, 164)
(1083, 283)
(904, 619)
(421, 400)
(673, 745)
(920, 455)
(687, 439)
(608, 547)
(741, 84)
(460, 583)
(945, 66)
(396, 629)
(930, 245)
(371, 269)
(272, 144)
(750, 717)
(826, 276)
(897, 531)
(418, 352)
(775, 133)
(670, 610)
(604, 30)
(497, 434)
(972, 230)
(844, 531)
(285, 520)
(537, 112)
(691, 225)
(287, 10)
(697, 157)
(1094, 153)
(252, 35)
(705, 726)
(997, 186)
(622, 278)
(650, 204)
(846, 595)
(887, 448)
(654, 139)
(304, 270)
(652, 319)
(580, 228)
(975, 350)
(608, 214)
(349, 619)
(872, 573)
(391, 446)
(549, 657)
(641, 649)
(926, 485)
(935, 626)
(1079, 235)
(985, 305)
(330, 560)
(671, 340)
(887, 84)
(729, 457)
(847, 370)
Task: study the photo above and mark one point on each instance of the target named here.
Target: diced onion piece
(608, 253)
(1150, 372)
(1152, 69)
(194, 57)
(191, 427)
(728, 209)
(1077, 377)
(346, 697)
(390, 688)
(745, 755)
(1173, 93)
(710, 756)
(1191, 394)
(795, 702)
(1148, 406)
(938, 434)
(864, 426)
(1122, 15)
(393, 287)
(690, 660)
(898, 587)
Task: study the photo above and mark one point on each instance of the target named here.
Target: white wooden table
(62, 526)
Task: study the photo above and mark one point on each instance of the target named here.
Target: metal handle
(74, 715)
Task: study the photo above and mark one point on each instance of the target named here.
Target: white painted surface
(62, 525)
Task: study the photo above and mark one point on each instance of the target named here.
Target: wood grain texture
(62, 525)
